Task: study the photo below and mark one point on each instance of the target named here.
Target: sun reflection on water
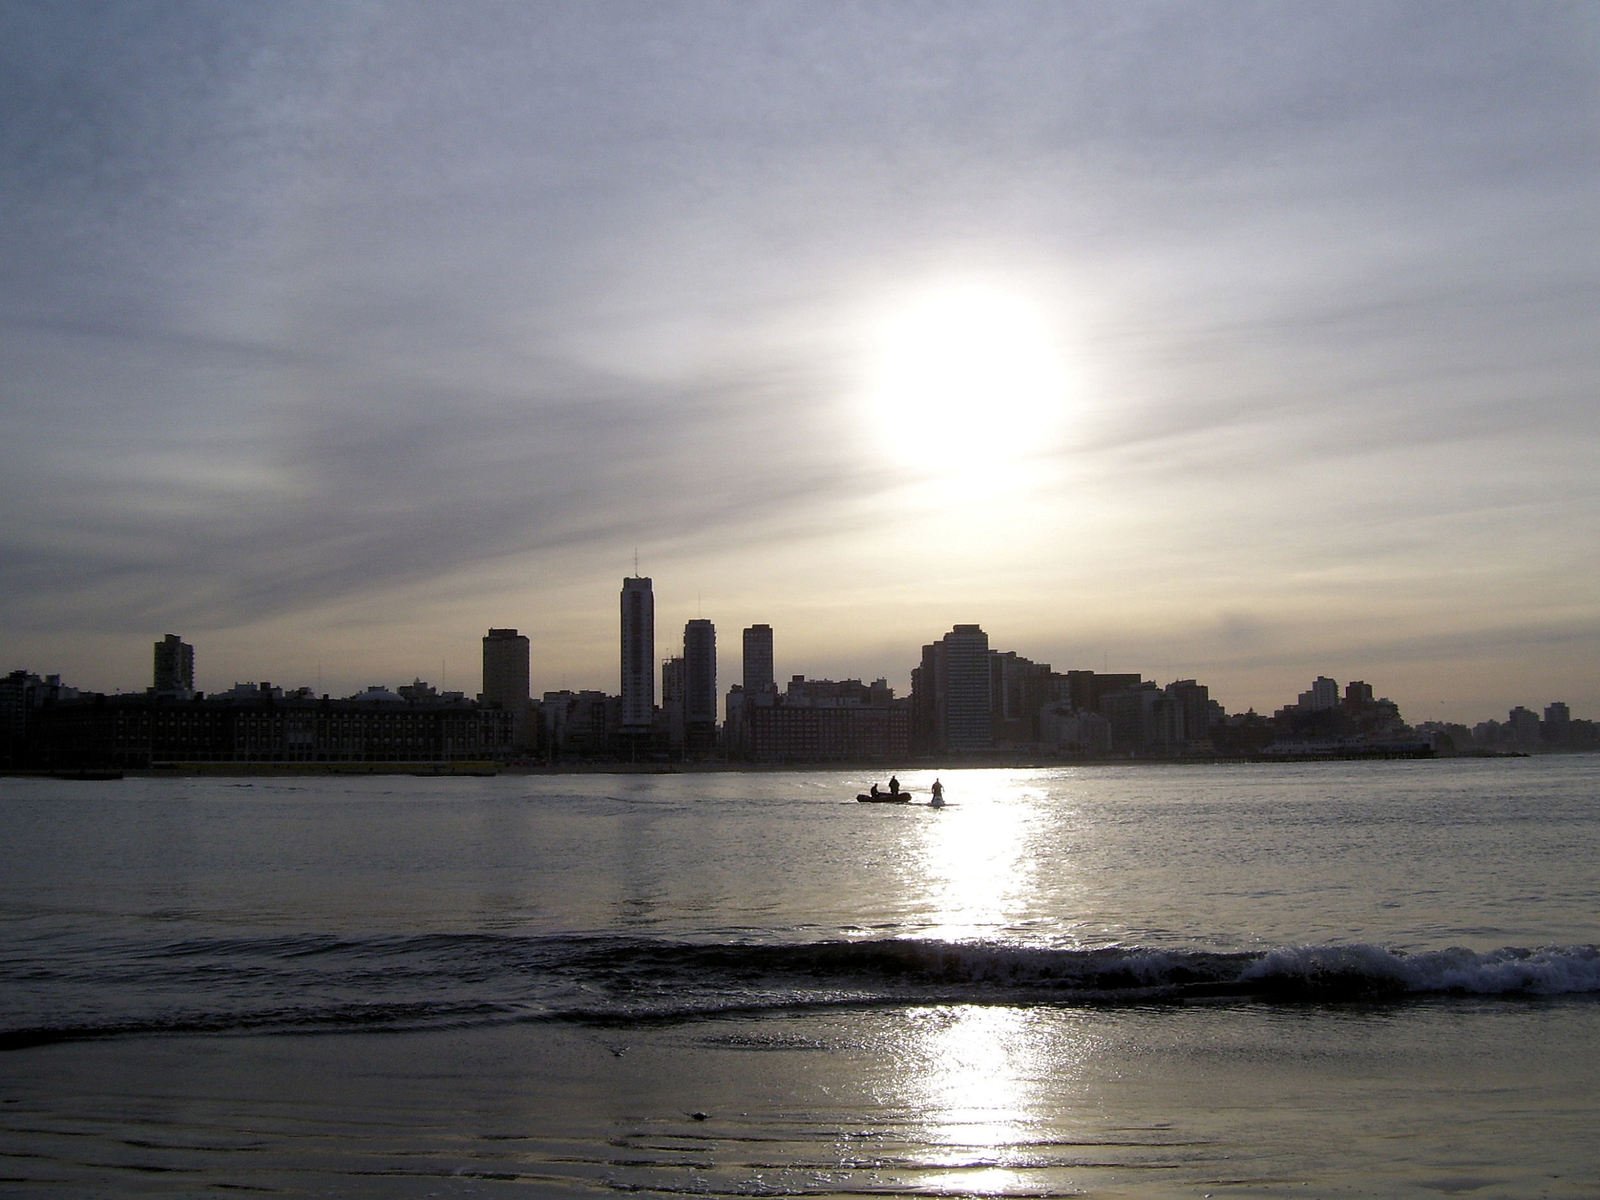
(979, 862)
(988, 1082)
(992, 1094)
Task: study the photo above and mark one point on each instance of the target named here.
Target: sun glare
(965, 377)
(979, 876)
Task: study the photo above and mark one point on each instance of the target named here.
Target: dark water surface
(1364, 979)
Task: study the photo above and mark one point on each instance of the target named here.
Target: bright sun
(965, 375)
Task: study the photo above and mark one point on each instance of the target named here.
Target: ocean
(1322, 979)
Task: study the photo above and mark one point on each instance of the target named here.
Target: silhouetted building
(1087, 690)
(22, 695)
(699, 686)
(1323, 695)
(672, 702)
(262, 726)
(1556, 730)
(1191, 714)
(758, 688)
(823, 720)
(964, 690)
(758, 676)
(174, 668)
(579, 724)
(1019, 691)
(638, 657)
(1135, 714)
(1243, 735)
(506, 682)
(1174, 721)
(16, 696)
(951, 699)
(1523, 724)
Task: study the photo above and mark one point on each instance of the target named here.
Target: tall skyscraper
(952, 700)
(700, 671)
(699, 685)
(505, 680)
(174, 667)
(758, 675)
(964, 678)
(638, 656)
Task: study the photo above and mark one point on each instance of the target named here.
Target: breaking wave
(321, 985)
(897, 970)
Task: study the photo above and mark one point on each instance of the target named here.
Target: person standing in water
(938, 794)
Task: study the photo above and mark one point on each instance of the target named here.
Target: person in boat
(874, 792)
(938, 794)
(894, 786)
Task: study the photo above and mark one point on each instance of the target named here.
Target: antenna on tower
(636, 562)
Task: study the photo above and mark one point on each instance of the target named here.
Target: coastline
(490, 769)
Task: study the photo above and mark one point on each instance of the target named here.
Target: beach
(942, 1101)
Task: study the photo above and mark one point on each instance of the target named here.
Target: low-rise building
(824, 720)
(138, 732)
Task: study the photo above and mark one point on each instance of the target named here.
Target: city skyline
(1241, 344)
(505, 674)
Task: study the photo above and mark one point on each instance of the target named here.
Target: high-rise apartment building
(964, 689)
(174, 667)
(638, 656)
(700, 671)
(952, 700)
(758, 676)
(699, 685)
(505, 681)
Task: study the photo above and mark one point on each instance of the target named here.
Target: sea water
(1318, 979)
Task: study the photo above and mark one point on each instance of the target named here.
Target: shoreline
(488, 769)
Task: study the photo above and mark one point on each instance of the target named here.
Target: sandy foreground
(962, 1100)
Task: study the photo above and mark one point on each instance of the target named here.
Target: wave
(311, 984)
(909, 969)
(1510, 971)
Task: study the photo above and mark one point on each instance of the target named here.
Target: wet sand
(965, 1100)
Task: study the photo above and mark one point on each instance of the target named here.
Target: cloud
(304, 305)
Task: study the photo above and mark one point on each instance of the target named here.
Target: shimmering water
(1362, 979)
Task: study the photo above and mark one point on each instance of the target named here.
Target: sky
(1229, 341)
